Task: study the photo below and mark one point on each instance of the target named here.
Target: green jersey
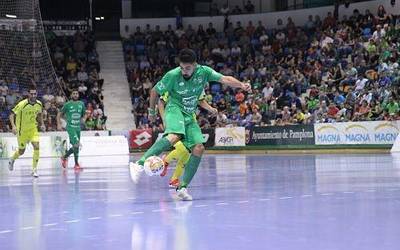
(392, 108)
(74, 111)
(184, 94)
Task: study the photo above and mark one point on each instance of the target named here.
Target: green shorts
(74, 135)
(177, 122)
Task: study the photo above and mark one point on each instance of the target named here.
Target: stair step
(117, 99)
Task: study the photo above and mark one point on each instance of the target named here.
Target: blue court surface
(301, 202)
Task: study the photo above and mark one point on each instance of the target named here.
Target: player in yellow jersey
(24, 122)
(180, 152)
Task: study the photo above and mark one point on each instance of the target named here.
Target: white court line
(370, 191)
(264, 199)
(201, 205)
(89, 200)
(6, 231)
(138, 212)
(49, 224)
(348, 192)
(326, 194)
(103, 190)
(26, 228)
(306, 195)
(71, 221)
(222, 204)
(241, 202)
(116, 215)
(285, 198)
(158, 210)
(94, 218)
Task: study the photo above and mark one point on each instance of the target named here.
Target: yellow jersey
(25, 116)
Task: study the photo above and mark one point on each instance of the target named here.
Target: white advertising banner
(54, 146)
(374, 132)
(235, 136)
(396, 145)
(104, 145)
(8, 145)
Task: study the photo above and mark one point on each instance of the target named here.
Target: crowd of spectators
(225, 10)
(76, 64)
(324, 70)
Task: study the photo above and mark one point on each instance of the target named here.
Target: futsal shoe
(64, 162)
(183, 194)
(35, 174)
(166, 164)
(135, 170)
(11, 164)
(174, 183)
(77, 167)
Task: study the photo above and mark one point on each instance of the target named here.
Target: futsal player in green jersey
(184, 85)
(75, 113)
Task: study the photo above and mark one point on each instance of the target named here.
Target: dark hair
(32, 87)
(187, 56)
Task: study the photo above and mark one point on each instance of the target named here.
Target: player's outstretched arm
(152, 106)
(12, 121)
(235, 83)
(204, 104)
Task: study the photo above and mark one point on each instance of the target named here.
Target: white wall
(268, 19)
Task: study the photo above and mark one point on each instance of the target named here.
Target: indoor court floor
(301, 202)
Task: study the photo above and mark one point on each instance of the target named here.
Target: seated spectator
(329, 69)
(392, 109)
(363, 112)
(332, 112)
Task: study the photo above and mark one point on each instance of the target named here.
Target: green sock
(76, 155)
(190, 170)
(157, 148)
(69, 152)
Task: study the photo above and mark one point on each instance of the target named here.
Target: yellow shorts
(182, 151)
(27, 137)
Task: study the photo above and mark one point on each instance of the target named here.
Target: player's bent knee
(198, 149)
(173, 138)
(76, 145)
(21, 151)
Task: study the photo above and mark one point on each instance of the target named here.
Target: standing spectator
(225, 11)
(249, 7)
(178, 17)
